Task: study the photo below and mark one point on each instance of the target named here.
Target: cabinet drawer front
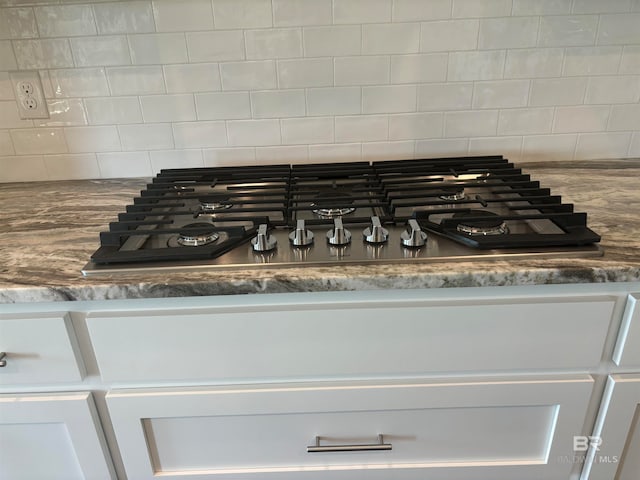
(453, 431)
(39, 350)
(346, 342)
(627, 352)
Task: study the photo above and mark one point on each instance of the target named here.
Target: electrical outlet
(29, 94)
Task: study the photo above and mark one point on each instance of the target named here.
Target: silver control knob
(301, 237)
(375, 233)
(263, 242)
(338, 235)
(413, 236)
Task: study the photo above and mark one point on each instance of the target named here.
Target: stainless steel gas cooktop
(428, 210)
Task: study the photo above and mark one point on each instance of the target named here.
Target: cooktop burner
(425, 210)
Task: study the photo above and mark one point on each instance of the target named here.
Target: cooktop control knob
(263, 242)
(338, 235)
(413, 236)
(301, 237)
(375, 233)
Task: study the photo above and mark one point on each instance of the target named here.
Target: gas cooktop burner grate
(466, 207)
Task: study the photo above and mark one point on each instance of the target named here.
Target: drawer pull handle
(3, 362)
(317, 448)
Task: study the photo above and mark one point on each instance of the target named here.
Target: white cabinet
(350, 340)
(52, 436)
(500, 428)
(615, 452)
(39, 349)
(627, 352)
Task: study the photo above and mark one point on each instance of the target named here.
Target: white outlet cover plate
(31, 104)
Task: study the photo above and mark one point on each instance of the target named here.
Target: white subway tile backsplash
(581, 119)
(361, 11)
(92, 139)
(124, 17)
(445, 96)
(534, 63)
(49, 53)
(389, 99)
(412, 10)
(304, 131)
(613, 89)
(6, 145)
(525, 121)
(168, 108)
(198, 77)
(301, 12)
(17, 23)
(619, 29)
(449, 35)
(598, 6)
(9, 117)
(224, 157)
(248, 75)
(481, 123)
(199, 134)
(278, 103)
(137, 80)
(72, 166)
(41, 140)
(158, 48)
(63, 112)
(113, 110)
(390, 38)
(625, 117)
(630, 62)
(176, 159)
(334, 101)
(247, 133)
(289, 154)
(124, 164)
(305, 72)
(223, 105)
(100, 51)
(79, 82)
(371, 70)
(546, 92)
(500, 94)
(549, 147)
(274, 43)
(346, 152)
(372, 151)
(602, 145)
(541, 7)
(186, 15)
(410, 126)
(568, 30)
(65, 20)
(481, 8)
(332, 40)
(242, 13)
(158, 136)
(442, 147)
(369, 128)
(7, 58)
(215, 46)
(591, 60)
(23, 168)
(420, 68)
(480, 65)
(510, 147)
(508, 32)
(634, 148)
(6, 89)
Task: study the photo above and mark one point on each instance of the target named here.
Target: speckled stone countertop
(50, 229)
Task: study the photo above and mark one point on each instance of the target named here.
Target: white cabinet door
(455, 430)
(52, 437)
(349, 340)
(627, 352)
(615, 450)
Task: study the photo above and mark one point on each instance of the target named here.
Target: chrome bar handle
(362, 447)
(3, 362)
